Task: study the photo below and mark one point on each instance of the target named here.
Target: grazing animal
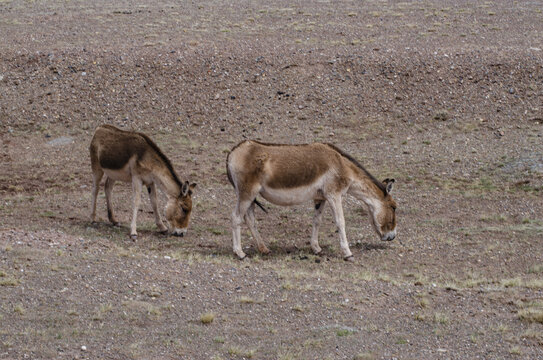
(293, 174)
(133, 157)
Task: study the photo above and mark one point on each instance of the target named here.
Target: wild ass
(293, 174)
(133, 157)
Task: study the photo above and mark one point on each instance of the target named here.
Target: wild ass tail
(229, 175)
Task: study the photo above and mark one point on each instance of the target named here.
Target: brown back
(115, 147)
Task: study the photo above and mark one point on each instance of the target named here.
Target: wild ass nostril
(389, 236)
(179, 232)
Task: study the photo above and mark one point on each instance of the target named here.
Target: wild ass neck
(167, 182)
(366, 189)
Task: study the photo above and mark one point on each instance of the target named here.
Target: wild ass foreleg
(108, 187)
(319, 207)
(136, 199)
(96, 177)
(337, 210)
(251, 223)
(158, 221)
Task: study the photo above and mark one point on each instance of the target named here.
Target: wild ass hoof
(134, 237)
(163, 232)
(264, 250)
(349, 258)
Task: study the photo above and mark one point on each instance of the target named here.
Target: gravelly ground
(444, 96)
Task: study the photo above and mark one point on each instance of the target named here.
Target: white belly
(294, 196)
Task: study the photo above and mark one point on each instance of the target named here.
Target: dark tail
(258, 203)
(260, 206)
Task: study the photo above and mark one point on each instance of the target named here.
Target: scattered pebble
(63, 140)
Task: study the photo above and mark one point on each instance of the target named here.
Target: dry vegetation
(444, 96)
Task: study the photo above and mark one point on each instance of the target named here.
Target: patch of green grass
(219, 340)
(344, 332)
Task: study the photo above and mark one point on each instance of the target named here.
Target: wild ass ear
(185, 189)
(191, 187)
(388, 185)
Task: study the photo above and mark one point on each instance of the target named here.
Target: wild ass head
(384, 213)
(178, 210)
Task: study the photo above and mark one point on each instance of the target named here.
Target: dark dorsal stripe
(379, 184)
(166, 161)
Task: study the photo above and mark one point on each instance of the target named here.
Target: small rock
(511, 91)
(63, 140)
(84, 73)
(83, 348)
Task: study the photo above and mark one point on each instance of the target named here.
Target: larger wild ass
(293, 174)
(133, 157)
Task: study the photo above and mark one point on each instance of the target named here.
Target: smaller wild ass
(133, 157)
(293, 174)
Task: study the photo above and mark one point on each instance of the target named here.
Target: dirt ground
(444, 96)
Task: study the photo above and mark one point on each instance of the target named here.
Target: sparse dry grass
(207, 318)
(531, 312)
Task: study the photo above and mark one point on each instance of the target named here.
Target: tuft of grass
(441, 115)
(8, 281)
(441, 318)
(207, 318)
(238, 351)
(344, 332)
(515, 350)
(536, 269)
(508, 283)
(219, 340)
(420, 317)
(532, 312)
(365, 356)
(246, 300)
(19, 309)
(287, 285)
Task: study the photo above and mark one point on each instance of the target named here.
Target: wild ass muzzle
(293, 174)
(133, 157)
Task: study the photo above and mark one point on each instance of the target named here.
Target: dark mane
(166, 161)
(379, 184)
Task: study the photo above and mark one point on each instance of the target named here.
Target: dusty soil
(444, 96)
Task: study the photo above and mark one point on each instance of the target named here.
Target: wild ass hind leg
(319, 207)
(237, 219)
(136, 200)
(158, 221)
(108, 187)
(251, 223)
(97, 174)
(337, 210)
